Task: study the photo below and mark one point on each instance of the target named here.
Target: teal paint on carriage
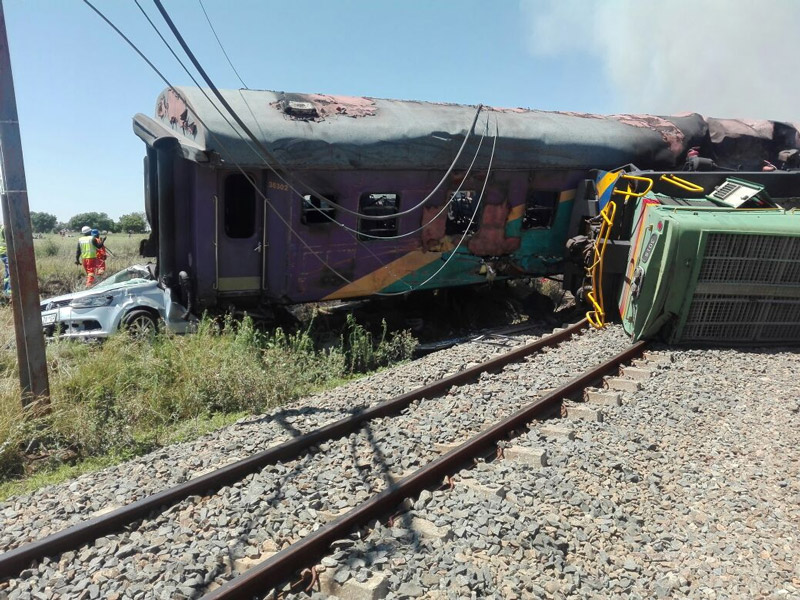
(455, 268)
(541, 250)
(514, 228)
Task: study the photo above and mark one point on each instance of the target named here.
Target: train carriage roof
(317, 131)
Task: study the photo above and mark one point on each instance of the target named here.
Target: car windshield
(131, 275)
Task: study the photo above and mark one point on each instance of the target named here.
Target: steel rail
(14, 561)
(281, 567)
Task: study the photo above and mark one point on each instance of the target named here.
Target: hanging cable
(171, 87)
(358, 236)
(241, 170)
(217, 140)
(292, 188)
(211, 102)
(361, 215)
(268, 156)
(469, 225)
(288, 225)
(358, 241)
(221, 47)
(194, 80)
(399, 236)
(210, 83)
(317, 209)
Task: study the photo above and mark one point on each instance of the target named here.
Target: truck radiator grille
(766, 307)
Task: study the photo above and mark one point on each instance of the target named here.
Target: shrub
(48, 247)
(363, 354)
(123, 398)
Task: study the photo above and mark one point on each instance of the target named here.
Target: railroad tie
(603, 397)
(532, 457)
(623, 385)
(374, 588)
(558, 432)
(584, 413)
(637, 373)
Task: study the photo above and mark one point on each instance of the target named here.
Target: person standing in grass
(100, 244)
(4, 258)
(87, 254)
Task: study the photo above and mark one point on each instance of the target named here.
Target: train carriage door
(241, 243)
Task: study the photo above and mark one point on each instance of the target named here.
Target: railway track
(305, 553)
(99, 493)
(191, 504)
(480, 518)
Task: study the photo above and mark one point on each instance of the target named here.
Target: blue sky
(78, 84)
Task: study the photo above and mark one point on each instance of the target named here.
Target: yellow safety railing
(681, 183)
(629, 193)
(597, 316)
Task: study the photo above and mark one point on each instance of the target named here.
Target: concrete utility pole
(22, 263)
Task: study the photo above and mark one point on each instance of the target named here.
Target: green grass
(120, 399)
(53, 475)
(55, 261)
(57, 472)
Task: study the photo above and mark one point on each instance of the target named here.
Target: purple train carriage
(343, 197)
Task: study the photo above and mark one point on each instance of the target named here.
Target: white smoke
(721, 58)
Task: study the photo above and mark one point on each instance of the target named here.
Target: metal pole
(22, 263)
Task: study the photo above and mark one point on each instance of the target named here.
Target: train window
(378, 205)
(239, 206)
(461, 210)
(318, 210)
(540, 209)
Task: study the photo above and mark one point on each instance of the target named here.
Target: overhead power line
(241, 170)
(217, 140)
(221, 47)
(268, 155)
(258, 191)
(344, 209)
(270, 159)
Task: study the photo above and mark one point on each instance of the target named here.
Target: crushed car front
(98, 312)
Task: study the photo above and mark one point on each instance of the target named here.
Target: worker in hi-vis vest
(4, 258)
(87, 254)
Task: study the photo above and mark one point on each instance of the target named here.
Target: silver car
(131, 299)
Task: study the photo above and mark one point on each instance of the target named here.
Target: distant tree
(43, 222)
(134, 223)
(95, 220)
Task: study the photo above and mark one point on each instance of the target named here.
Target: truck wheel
(140, 324)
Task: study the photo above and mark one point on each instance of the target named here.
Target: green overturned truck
(690, 257)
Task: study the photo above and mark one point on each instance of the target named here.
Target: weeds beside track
(121, 399)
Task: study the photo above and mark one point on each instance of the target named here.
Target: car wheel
(140, 324)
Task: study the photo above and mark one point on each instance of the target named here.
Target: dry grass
(57, 274)
(55, 261)
(119, 399)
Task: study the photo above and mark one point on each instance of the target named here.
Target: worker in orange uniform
(100, 244)
(87, 254)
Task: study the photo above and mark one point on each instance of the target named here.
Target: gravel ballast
(50, 509)
(689, 488)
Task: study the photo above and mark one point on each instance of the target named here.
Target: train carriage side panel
(350, 146)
